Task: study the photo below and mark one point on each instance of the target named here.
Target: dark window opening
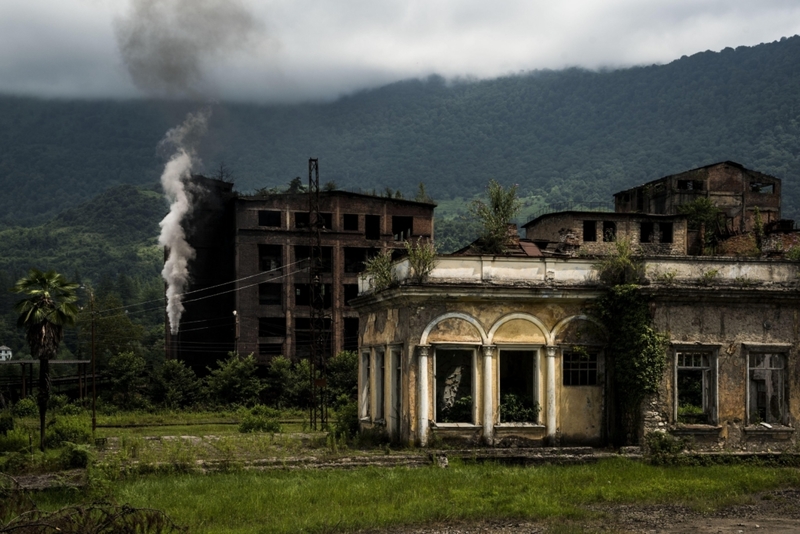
(355, 258)
(402, 227)
(302, 295)
(302, 252)
(380, 372)
(767, 387)
(518, 402)
(696, 392)
(372, 226)
(301, 219)
(326, 221)
(271, 326)
(690, 185)
(270, 257)
(350, 334)
(666, 232)
(579, 369)
(270, 294)
(589, 231)
(350, 222)
(758, 187)
(270, 349)
(609, 231)
(269, 218)
(350, 292)
(646, 232)
(302, 336)
(454, 386)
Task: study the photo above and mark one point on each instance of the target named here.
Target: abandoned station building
(502, 349)
(263, 242)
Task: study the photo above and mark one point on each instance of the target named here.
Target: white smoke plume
(174, 180)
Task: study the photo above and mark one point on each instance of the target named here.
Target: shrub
(346, 417)
(74, 456)
(15, 440)
(502, 207)
(174, 385)
(343, 377)
(234, 381)
(515, 409)
(67, 428)
(260, 418)
(6, 422)
(25, 408)
(128, 380)
(379, 267)
(278, 380)
(421, 259)
(664, 448)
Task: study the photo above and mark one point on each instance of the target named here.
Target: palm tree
(49, 306)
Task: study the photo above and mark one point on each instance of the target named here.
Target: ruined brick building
(487, 336)
(262, 242)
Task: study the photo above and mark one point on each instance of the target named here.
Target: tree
(234, 381)
(49, 306)
(502, 207)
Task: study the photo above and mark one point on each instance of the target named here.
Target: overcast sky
(290, 50)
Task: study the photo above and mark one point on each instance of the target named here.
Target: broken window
(350, 334)
(589, 231)
(609, 231)
(767, 389)
(646, 233)
(666, 232)
(579, 368)
(271, 326)
(355, 258)
(302, 336)
(326, 221)
(269, 218)
(365, 392)
(350, 222)
(454, 386)
(301, 219)
(302, 295)
(270, 257)
(350, 292)
(302, 252)
(696, 388)
(372, 226)
(758, 187)
(690, 185)
(270, 294)
(518, 398)
(270, 349)
(380, 369)
(402, 227)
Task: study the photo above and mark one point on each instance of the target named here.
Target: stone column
(422, 395)
(551, 395)
(488, 395)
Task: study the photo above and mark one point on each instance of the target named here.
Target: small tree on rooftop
(494, 215)
(421, 259)
(704, 216)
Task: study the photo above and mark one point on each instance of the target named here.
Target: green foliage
(342, 374)
(708, 277)
(6, 422)
(74, 456)
(379, 267)
(623, 267)
(234, 381)
(128, 380)
(260, 418)
(347, 421)
(174, 385)
(24, 408)
(793, 253)
(421, 259)
(703, 215)
(459, 412)
(63, 428)
(639, 353)
(516, 409)
(664, 448)
(758, 228)
(495, 214)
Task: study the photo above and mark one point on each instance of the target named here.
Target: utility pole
(317, 360)
(94, 373)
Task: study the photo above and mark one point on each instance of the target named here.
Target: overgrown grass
(325, 501)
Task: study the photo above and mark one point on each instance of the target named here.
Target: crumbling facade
(503, 351)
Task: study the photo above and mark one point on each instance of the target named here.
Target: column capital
(488, 350)
(551, 352)
(423, 350)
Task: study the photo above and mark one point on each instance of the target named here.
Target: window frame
(537, 389)
(713, 387)
(365, 391)
(471, 347)
(767, 348)
(599, 370)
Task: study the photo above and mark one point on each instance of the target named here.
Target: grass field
(336, 500)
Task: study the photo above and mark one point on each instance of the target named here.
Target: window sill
(518, 425)
(445, 426)
(683, 429)
(777, 431)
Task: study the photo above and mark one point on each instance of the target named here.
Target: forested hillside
(566, 136)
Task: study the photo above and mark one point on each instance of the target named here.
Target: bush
(25, 408)
(343, 378)
(15, 440)
(6, 422)
(516, 409)
(260, 418)
(278, 382)
(74, 456)
(234, 381)
(64, 429)
(664, 448)
(126, 370)
(174, 385)
(346, 417)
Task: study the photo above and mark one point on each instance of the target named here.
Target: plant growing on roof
(704, 216)
(494, 216)
(379, 267)
(625, 266)
(48, 307)
(421, 259)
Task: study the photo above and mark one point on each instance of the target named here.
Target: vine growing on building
(638, 351)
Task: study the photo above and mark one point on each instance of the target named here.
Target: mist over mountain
(567, 136)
